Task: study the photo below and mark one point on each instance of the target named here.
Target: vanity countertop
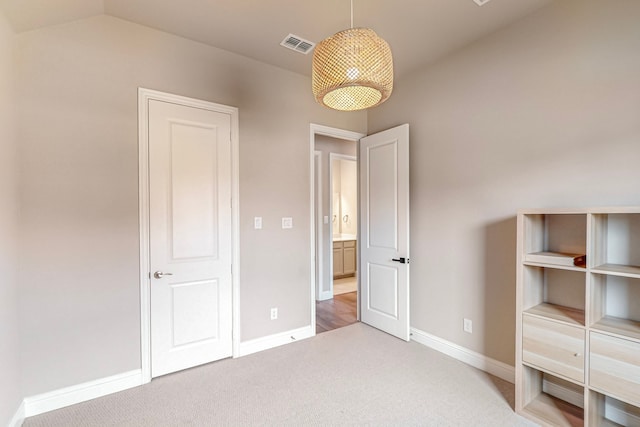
(344, 237)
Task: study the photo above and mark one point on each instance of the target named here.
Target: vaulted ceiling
(419, 31)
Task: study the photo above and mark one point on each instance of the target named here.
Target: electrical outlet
(274, 313)
(467, 326)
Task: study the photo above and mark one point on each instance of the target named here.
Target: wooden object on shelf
(578, 316)
(557, 258)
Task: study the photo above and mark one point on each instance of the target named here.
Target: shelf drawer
(337, 245)
(554, 347)
(349, 243)
(615, 367)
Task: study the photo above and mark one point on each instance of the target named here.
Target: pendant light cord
(352, 14)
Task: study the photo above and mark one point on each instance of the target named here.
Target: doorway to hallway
(382, 255)
(335, 227)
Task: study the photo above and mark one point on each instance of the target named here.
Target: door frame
(317, 198)
(144, 96)
(316, 129)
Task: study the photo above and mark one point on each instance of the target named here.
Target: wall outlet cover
(287, 222)
(467, 326)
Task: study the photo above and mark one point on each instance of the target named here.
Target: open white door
(190, 236)
(384, 231)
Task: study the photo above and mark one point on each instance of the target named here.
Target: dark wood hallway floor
(337, 312)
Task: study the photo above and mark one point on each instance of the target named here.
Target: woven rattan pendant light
(352, 70)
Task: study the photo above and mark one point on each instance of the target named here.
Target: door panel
(383, 290)
(190, 236)
(193, 191)
(384, 193)
(349, 260)
(193, 319)
(338, 258)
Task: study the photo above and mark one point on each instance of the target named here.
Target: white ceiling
(419, 31)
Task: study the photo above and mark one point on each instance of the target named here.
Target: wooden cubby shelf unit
(578, 326)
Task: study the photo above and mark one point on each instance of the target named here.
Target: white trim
(275, 340)
(144, 96)
(315, 129)
(330, 260)
(470, 357)
(321, 294)
(336, 133)
(143, 220)
(18, 417)
(319, 231)
(325, 295)
(68, 396)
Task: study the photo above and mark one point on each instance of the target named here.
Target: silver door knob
(160, 274)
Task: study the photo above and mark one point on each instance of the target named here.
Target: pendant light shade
(352, 70)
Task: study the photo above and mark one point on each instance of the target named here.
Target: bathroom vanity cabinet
(344, 258)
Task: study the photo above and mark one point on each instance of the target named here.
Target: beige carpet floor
(355, 375)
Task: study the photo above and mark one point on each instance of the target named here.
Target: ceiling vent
(481, 2)
(298, 44)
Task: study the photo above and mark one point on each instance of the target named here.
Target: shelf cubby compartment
(555, 294)
(605, 411)
(615, 305)
(616, 244)
(564, 233)
(552, 400)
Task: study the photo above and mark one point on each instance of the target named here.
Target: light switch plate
(326, 219)
(257, 222)
(287, 222)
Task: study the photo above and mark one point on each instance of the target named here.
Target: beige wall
(543, 113)
(10, 388)
(348, 196)
(77, 86)
(327, 145)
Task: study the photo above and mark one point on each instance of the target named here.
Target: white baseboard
(68, 396)
(18, 417)
(326, 295)
(276, 340)
(470, 357)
